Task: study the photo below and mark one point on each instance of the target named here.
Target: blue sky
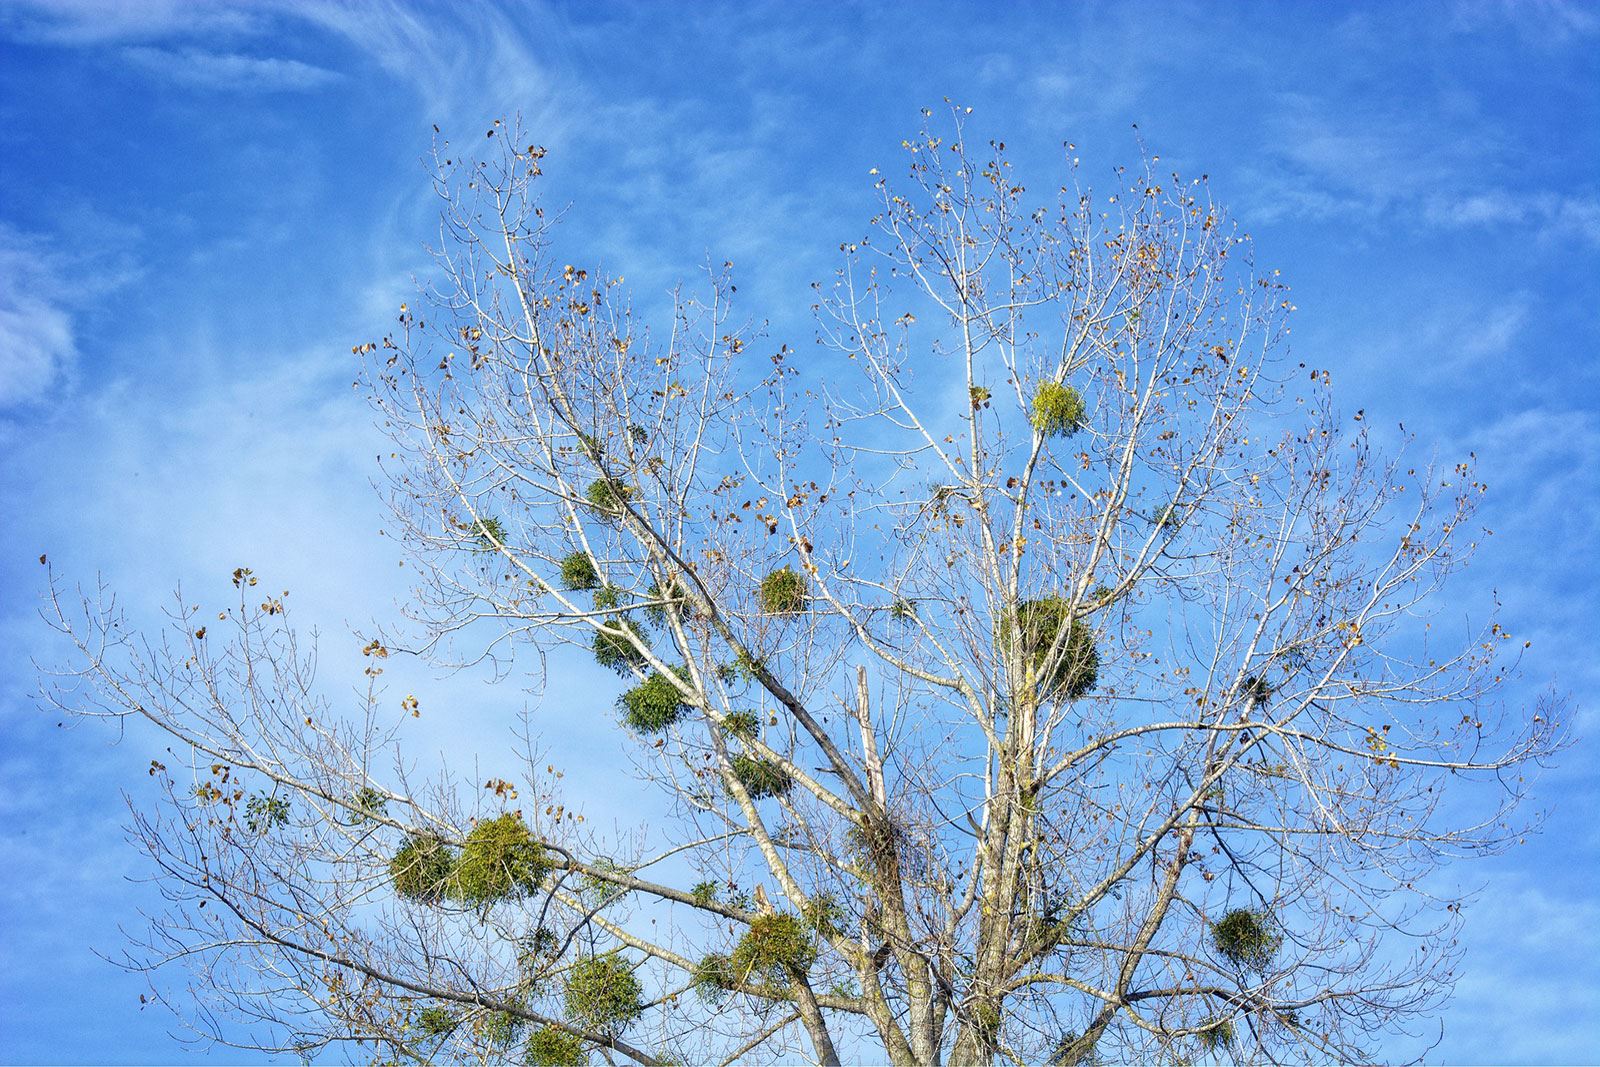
(204, 205)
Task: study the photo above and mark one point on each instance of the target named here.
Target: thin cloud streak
(37, 341)
(229, 71)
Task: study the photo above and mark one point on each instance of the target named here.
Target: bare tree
(1042, 671)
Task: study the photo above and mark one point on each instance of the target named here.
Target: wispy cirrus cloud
(470, 61)
(1538, 1023)
(1379, 163)
(1552, 22)
(37, 344)
(90, 22)
(229, 71)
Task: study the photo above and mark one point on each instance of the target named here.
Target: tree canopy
(1038, 669)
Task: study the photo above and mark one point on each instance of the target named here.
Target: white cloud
(1553, 22)
(1523, 990)
(229, 71)
(1551, 215)
(468, 63)
(85, 22)
(1530, 438)
(36, 336)
(1498, 331)
(1439, 166)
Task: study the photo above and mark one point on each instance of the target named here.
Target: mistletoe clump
(549, 1047)
(761, 778)
(500, 860)
(1257, 690)
(1169, 517)
(1246, 937)
(742, 669)
(614, 648)
(1216, 1034)
(603, 994)
(660, 596)
(608, 496)
(776, 947)
(490, 534)
(422, 869)
(1077, 669)
(577, 572)
(435, 1020)
(877, 840)
(712, 977)
(824, 915)
(783, 592)
(1072, 1050)
(500, 1028)
(536, 952)
(655, 703)
(263, 813)
(1058, 410)
(599, 883)
(368, 803)
(744, 724)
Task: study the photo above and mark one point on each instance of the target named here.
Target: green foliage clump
(614, 649)
(784, 592)
(655, 703)
(536, 951)
(704, 892)
(761, 778)
(599, 888)
(1077, 670)
(577, 572)
(742, 669)
(1058, 410)
(1170, 516)
(263, 813)
(549, 1047)
(671, 592)
(499, 860)
(435, 1020)
(979, 397)
(875, 840)
(742, 723)
(421, 870)
(1216, 1034)
(603, 994)
(500, 1028)
(775, 947)
(490, 534)
(1246, 937)
(1257, 690)
(824, 915)
(368, 803)
(902, 610)
(712, 977)
(1072, 1050)
(608, 496)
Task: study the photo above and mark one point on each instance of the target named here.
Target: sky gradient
(205, 205)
